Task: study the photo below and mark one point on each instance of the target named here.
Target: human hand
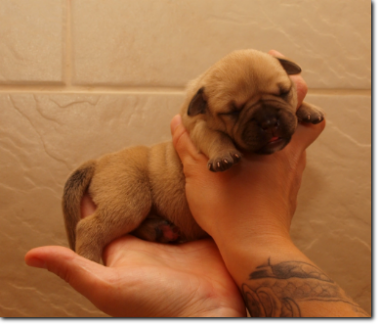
(144, 279)
(248, 211)
(253, 200)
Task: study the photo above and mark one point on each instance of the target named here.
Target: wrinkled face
(253, 100)
(262, 124)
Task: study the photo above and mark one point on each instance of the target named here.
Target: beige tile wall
(81, 78)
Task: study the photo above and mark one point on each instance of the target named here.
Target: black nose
(269, 123)
(268, 119)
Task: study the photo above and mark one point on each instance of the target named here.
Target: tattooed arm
(288, 284)
(295, 289)
(277, 280)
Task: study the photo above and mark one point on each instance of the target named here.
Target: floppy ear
(290, 67)
(197, 104)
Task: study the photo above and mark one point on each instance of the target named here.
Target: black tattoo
(277, 290)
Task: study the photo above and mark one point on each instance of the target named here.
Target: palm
(151, 279)
(147, 279)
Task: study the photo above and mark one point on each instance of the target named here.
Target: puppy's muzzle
(269, 130)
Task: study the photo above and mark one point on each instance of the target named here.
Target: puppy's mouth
(274, 144)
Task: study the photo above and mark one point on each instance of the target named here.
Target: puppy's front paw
(224, 161)
(308, 113)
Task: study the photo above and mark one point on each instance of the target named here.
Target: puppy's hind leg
(99, 229)
(90, 238)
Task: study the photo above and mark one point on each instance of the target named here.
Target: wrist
(259, 230)
(255, 249)
(244, 255)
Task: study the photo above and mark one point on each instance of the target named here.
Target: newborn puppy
(245, 102)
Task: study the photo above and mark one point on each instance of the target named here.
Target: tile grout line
(67, 65)
(69, 89)
(339, 91)
(87, 90)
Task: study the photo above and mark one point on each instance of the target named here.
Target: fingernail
(175, 122)
(35, 262)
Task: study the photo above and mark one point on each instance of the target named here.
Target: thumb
(185, 148)
(306, 134)
(82, 274)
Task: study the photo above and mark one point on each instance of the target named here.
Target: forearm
(278, 280)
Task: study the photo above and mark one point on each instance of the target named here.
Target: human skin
(248, 210)
(145, 279)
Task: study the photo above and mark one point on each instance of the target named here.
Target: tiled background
(81, 78)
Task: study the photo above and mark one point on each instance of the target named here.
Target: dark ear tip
(201, 90)
(299, 70)
(290, 67)
(197, 104)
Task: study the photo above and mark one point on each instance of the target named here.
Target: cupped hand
(254, 199)
(144, 279)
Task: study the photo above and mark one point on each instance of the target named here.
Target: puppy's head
(249, 96)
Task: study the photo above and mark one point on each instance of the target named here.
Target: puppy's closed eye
(234, 113)
(234, 110)
(285, 92)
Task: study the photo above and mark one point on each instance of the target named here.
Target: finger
(83, 275)
(306, 134)
(297, 79)
(276, 53)
(301, 88)
(182, 142)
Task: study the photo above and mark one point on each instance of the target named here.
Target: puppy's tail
(73, 192)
